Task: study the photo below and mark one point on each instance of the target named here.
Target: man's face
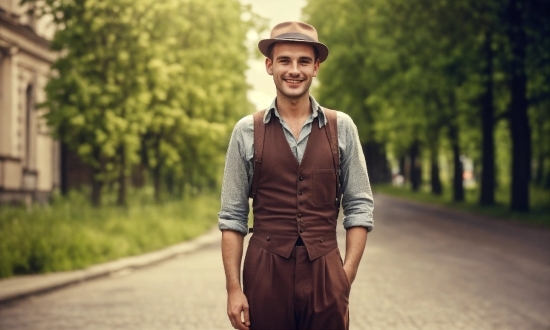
(293, 68)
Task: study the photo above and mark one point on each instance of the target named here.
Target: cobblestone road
(424, 268)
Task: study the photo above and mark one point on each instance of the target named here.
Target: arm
(237, 304)
(356, 239)
(357, 200)
(233, 218)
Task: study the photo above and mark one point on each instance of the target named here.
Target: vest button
(301, 221)
(301, 230)
(268, 238)
(299, 215)
(322, 239)
(300, 193)
(301, 202)
(301, 178)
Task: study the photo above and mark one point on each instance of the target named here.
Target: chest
(295, 127)
(296, 146)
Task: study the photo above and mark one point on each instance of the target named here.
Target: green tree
(199, 89)
(147, 82)
(421, 74)
(98, 92)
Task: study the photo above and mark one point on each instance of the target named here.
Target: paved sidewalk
(23, 286)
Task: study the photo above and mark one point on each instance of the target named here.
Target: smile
(293, 81)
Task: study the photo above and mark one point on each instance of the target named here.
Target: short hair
(270, 52)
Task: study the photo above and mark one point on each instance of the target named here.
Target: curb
(20, 287)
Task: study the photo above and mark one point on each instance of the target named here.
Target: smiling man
(298, 162)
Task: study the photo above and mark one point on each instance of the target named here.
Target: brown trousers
(295, 293)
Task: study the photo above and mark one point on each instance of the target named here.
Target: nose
(294, 69)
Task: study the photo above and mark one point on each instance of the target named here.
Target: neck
(294, 108)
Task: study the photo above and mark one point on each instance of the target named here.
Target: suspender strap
(259, 138)
(332, 135)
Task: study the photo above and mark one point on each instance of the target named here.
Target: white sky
(277, 11)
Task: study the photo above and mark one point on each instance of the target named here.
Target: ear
(316, 67)
(269, 66)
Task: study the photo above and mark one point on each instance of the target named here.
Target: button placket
(300, 201)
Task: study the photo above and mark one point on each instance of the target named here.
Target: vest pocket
(323, 187)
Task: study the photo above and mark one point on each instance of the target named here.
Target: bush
(70, 234)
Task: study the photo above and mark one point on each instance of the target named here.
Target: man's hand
(237, 310)
(237, 304)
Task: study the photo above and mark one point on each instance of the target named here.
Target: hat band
(295, 36)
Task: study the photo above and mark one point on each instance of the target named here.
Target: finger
(239, 323)
(233, 323)
(246, 316)
(234, 319)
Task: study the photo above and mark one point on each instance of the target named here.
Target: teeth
(293, 81)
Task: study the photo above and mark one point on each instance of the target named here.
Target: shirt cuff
(236, 225)
(359, 220)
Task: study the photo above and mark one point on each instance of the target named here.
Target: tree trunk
(377, 162)
(97, 181)
(170, 183)
(519, 121)
(546, 182)
(458, 187)
(157, 182)
(97, 191)
(64, 184)
(137, 176)
(403, 168)
(435, 180)
(487, 194)
(122, 184)
(415, 171)
(157, 171)
(539, 174)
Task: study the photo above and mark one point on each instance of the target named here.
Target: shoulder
(344, 122)
(343, 118)
(244, 126)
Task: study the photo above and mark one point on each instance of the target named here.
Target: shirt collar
(315, 107)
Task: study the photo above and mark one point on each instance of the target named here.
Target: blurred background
(115, 114)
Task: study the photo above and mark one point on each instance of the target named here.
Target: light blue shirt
(357, 201)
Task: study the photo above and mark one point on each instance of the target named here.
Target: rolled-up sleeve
(236, 182)
(357, 200)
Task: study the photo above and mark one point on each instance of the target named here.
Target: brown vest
(294, 200)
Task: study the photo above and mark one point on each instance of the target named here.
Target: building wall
(29, 157)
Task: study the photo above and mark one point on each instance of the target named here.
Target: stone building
(29, 157)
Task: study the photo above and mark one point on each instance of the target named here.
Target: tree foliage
(440, 75)
(156, 83)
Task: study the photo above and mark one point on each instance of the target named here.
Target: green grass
(539, 202)
(70, 234)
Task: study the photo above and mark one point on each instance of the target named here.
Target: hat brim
(264, 44)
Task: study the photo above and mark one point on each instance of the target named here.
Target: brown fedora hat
(294, 32)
